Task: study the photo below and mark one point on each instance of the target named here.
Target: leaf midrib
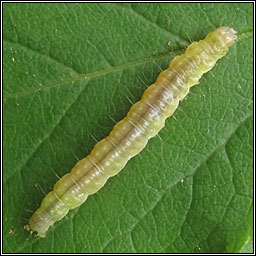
(88, 75)
(98, 73)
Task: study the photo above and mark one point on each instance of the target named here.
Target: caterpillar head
(227, 35)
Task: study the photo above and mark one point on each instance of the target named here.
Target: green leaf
(70, 70)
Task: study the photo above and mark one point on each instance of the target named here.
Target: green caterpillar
(129, 136)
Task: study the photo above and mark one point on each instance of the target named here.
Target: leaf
(70, 70)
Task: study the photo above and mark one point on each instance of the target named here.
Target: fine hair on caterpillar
(129, 136)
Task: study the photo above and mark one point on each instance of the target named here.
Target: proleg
(129, 136)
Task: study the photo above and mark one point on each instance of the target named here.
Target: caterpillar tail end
(38, 233)
(38, 223)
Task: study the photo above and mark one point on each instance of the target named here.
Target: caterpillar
(129, 136)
